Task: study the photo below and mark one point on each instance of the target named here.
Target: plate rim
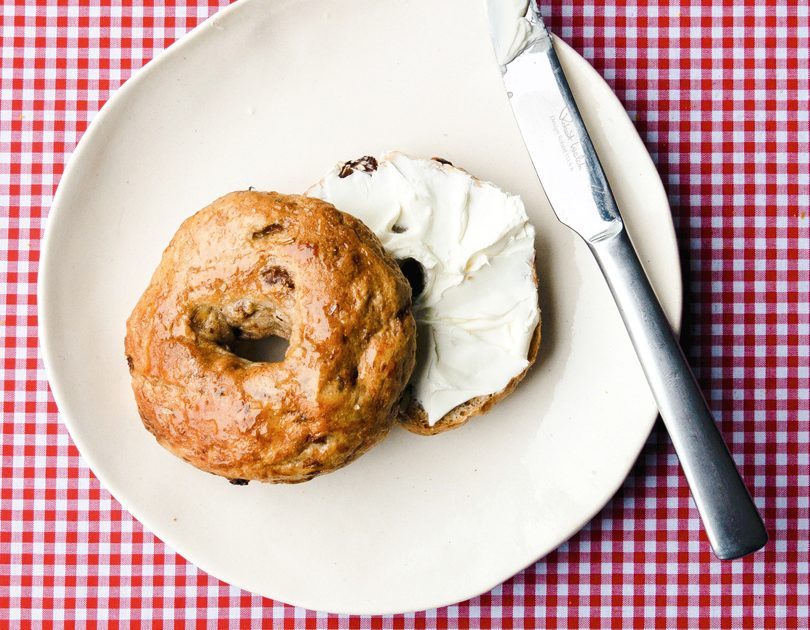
(56, 216)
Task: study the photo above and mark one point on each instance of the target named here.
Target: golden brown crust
(414, 418)
(257, 264)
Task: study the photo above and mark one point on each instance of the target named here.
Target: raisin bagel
(249, 266)
(468, 248)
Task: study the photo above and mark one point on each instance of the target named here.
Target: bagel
(468, 249)
(253, 265)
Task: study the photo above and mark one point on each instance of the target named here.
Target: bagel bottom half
(469, 249)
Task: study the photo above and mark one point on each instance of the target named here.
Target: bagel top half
(249, 266)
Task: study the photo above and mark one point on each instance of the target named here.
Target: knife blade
(579, 193)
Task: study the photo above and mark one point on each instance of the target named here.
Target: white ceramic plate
(270, 94)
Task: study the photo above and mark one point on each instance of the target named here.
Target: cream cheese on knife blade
(511, 32)
(478, 309)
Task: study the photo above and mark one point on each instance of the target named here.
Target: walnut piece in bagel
(468, 248)
(252, 265)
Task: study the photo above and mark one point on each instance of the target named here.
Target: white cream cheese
(511, 32)
(478, 310)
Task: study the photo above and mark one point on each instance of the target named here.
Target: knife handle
(731, 520)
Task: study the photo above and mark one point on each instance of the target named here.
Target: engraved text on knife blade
(559, 147)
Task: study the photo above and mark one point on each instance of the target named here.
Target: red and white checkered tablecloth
(719, 90)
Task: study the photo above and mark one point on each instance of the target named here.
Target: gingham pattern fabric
(718, 90)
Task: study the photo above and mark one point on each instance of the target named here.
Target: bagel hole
(270, 349)
(414, 273)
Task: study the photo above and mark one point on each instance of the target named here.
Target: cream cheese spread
(478, 310)
(511, 32)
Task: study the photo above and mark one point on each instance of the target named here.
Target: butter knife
(575, 184)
